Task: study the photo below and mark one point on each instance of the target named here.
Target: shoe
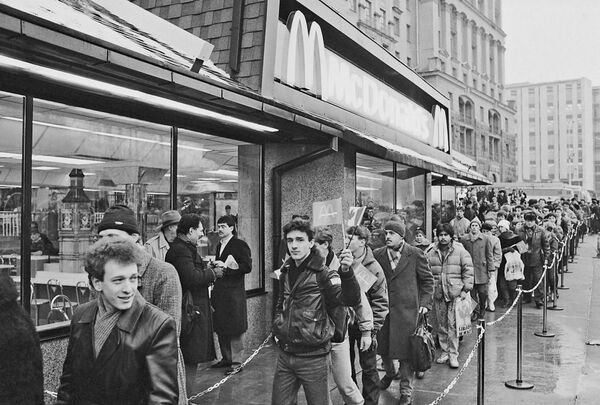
(221, 364)
(453, 362)
(539, 305)
(491, 308)
(233, 369)
(385, 382)
(442, 359)
(405, 400)
(420, 375)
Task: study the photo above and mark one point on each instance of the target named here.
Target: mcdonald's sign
(303, 62)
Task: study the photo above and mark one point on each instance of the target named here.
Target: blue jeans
(292, 372)
(342, 373)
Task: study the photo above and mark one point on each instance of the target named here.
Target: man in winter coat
(158, 246)
(159, 283)
(229, 295)
(308, 293)
(481, 250)
(410, 291)
(460, 224)
(452, 270)
(538, 252)
(376, 291)
(197, 345)
(21, 377)
(122, 349)
(489, 229)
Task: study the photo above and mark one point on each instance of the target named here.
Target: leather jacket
(303, 325)
(136, 365)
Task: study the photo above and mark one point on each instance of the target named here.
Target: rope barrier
(237, 370)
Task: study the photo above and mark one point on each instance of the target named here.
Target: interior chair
(82, 292)
(61, 309)
(36, 303)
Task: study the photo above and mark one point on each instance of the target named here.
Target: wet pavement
(563, 369)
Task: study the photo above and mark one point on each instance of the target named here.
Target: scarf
(106, 320)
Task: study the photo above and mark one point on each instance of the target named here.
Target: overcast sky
(549, 40)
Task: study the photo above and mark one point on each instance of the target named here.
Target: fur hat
(395, 226)
(119, 217)
(476, 220)
(504, 223)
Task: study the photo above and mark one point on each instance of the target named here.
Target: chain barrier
(235, 371)
(54, 395)
(462, 369)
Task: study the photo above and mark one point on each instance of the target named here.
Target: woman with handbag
(453, 275)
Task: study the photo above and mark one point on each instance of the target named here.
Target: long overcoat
(198, 346)
(229, 295)
(410, 286)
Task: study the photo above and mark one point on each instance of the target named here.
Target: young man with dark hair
(229, 294)
(307, 287)
(377, 295)
(452, 270)
(122, 350)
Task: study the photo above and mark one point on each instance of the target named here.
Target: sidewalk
(563, 369)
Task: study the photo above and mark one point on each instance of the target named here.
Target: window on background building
(216, 172)
(481, 114)
(408, 33)
(469, 141)
(382, 20)
(454, 72)
(353, 5)
(482, 142)
(506, 125)
(11, 150)
(374, 189)
(410, 198)
(474, 31)
(475, 84)
(453, 34)
(396, 26)
(483, 88)
(408, 62)
(408, 7)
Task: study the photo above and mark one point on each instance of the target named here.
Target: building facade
(555, 124)
(596, 125)
(457, 46)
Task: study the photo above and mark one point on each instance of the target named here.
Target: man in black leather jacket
(122, 350)
(309, 293)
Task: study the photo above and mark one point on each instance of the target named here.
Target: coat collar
(314, 261)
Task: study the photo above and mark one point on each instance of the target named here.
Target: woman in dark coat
(198, 345)
(21, 378)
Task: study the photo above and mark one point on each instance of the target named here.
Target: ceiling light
(208, 178)
(223, 172)
(89, 174)
(229, 181)
(362, 176)
(44, 168)
(113, 90)
(179, 176)
(52, 159)
(364, 167)
(461, 181)
(360, 188)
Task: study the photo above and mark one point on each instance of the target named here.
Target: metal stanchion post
(562, 272)
(519, 384)
(481, 364)
(544, 332)
(555, 306)
(566, 255)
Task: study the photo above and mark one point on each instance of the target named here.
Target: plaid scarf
(106, 320)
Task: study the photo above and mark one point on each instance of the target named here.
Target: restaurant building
(103, 103)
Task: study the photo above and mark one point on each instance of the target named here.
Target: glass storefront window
(443, 204)
(11, 150)
(375, 190)
(84, 162)
(219, 176)
(410, 198)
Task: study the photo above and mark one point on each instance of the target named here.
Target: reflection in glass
(410, 198)
(11, 149)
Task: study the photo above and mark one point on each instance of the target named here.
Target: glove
(373, 341)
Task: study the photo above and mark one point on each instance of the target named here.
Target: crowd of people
(152, 319)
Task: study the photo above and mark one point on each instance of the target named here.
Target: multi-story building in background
(596, 126)
(458, 46)
(556, 142)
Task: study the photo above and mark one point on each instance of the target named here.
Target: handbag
(422, 345)
(189, 314)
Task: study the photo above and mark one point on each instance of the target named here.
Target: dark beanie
(119, 217)
(395, 227)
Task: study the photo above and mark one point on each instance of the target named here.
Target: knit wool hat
(119, 217)
(395, 226)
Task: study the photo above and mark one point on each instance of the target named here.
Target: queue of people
(153, 318)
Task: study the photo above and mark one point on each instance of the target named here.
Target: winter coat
(452, 271)
(410, 286)
(496, 250)
(460, 226)
(481, 250)
(539, 246)
(136, 365)
(229, 294)
(198, 346)
(157, 246)
(377, 294)
(21, 377)
(303, 323)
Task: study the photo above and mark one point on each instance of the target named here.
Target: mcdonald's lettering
(304, 63)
